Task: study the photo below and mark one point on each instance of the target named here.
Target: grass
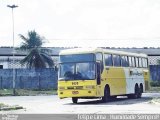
(153, 89)
(4, 107)
(155, 101)
(27, 92)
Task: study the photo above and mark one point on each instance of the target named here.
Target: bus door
(98, 78)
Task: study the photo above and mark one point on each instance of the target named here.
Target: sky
(83, 23)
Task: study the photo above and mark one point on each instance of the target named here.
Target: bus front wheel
(106, 96)
(74, 100)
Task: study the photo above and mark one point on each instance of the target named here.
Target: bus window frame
(102, 62)
(133, 61)
(140, 61)
(137, 62)
(111, 59)
(130, 65)
(119, 60)
(125, 56)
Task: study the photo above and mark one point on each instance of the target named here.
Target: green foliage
(28, 92)
(37, 59)
(155, 83)
(33, 40)
(37, 56)
(158, 62)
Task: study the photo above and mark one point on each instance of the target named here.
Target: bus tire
(75, 100)
(140, 91)
(136, 93)
(113, 97)
(106, 96)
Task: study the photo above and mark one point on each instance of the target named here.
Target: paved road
(53, 105)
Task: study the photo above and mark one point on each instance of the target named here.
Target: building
(6, 55)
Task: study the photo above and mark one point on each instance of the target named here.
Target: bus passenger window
(99, 57)
(130, 61)
(144, 62)
(124, 61)
(133, 61)
(137, 64)
(116, 60)
(140, 62)
(108, 59)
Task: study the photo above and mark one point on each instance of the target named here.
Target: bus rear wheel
(106, 96)
(136, 93)
(140, 92)
(74, 100)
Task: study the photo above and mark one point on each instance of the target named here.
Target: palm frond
(48, 60)
(37, 57)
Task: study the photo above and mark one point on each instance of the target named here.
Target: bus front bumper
(76, 93)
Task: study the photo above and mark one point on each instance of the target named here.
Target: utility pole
(13, 81)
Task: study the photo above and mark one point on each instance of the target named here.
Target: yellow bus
(101, 73)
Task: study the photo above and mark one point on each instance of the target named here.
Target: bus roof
(95, 50)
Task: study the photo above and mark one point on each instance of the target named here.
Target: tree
(37, 57)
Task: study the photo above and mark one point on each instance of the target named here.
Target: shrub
(155, 83)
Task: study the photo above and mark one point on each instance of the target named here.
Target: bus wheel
(136, 93)
(140, 92)
(113, 97)
(106, 96)
(74, 100)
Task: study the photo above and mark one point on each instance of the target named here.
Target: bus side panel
(115, 78)
(146, 79)
(133, 76)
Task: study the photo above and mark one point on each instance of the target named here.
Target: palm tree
(32, 41)
(37, 56)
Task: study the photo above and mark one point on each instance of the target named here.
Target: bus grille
(75, 87)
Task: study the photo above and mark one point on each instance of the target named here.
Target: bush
(155, 83)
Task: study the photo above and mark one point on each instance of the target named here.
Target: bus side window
(127, 61)
(108, 60)
(99, 57)
(137, 64)
(144, 62)
(130, 61)
(116, 60)
(140, 62)
(133, 61)
(124, 61)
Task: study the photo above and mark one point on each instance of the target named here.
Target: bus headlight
(61, 88)
(90, 87)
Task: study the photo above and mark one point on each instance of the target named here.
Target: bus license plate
(75, 92)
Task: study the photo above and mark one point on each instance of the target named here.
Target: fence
(29, 78)
(155, 72)
(44, 78)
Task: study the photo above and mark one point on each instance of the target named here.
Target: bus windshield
(77, 71)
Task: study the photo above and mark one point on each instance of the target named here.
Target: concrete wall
(29, 78)
(45, 78)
